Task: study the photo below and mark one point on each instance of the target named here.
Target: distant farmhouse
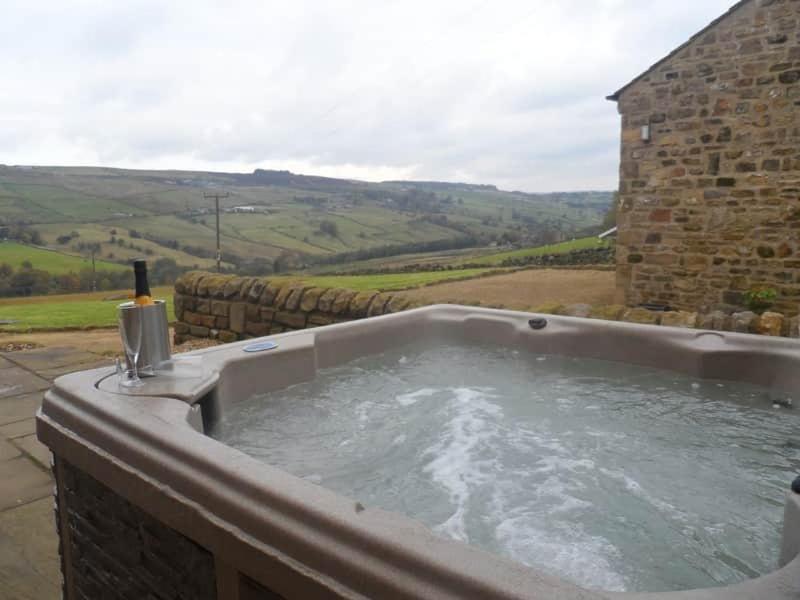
(710, 170)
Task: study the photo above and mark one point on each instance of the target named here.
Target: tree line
(27, 280)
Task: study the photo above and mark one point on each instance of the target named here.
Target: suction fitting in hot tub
(538, 323)
(260, 346)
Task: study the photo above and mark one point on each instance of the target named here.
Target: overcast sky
(489, 91)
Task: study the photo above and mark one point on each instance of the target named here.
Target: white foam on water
(400, 439)
(569, 551)
(633, 486)
(455, 465)
(414, 397)
(403, 360)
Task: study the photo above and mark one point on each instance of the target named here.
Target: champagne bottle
(142, 296)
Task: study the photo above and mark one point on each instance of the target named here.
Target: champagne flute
(132, 343)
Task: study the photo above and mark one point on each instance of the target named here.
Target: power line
(216, 196)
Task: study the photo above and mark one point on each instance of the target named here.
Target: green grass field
(389, 282)
(69, 311)
(93, 310)
(561, 248)
(49, 260)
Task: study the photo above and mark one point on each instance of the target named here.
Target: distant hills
(277, 219)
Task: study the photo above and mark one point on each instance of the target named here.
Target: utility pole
(216, 196)
(94, 270)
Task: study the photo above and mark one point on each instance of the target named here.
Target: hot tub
(148, 500)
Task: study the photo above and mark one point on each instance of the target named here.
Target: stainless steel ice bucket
(155, 333)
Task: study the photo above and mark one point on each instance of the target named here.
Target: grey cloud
(509, 93)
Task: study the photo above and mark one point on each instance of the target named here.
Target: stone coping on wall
(230, 308)
(767, 323)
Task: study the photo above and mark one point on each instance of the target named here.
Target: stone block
(396, 304)
(233, 288)
(744, 322)
(244, 290)
(179, 305)
(642, 316)
(612, 312)
(319, 319)
(222, 323)
(256, 289)
(376, 307)
(770, 323)
(310, 299)
(212, 285)
(327, 299)
(679, 318)
(276, 329)
(187, 283)
(181, 328)
(716, 320)
(280, 298)
(227, 336)
(257, 329)
(794, 327)
(197, 319)
(359, 305)
(294, 297)
(295, 320)
(269, 294)
(237, 315)
(198, 331)
(253, 312)
(267, 314)
(220, 308)
(342, 302)
(203, 306)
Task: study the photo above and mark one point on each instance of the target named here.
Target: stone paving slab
(29, 565)
(8, 450)
(49, 358)
(35, 449)
(17, 408)
(15, 381)
(22, 481)
(18, 429)
(59, 371)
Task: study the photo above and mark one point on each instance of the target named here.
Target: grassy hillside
(562, 248)
(49, 260)
(310, 217)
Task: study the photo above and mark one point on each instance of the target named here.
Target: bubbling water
(614, 476)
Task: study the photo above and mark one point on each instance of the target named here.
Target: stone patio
(29, 564)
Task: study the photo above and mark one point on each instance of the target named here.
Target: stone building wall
(710, 207)
(230, 308)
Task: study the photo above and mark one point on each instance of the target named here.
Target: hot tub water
(615, 476)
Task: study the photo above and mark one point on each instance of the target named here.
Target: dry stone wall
(230, 308)
(710, 206)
